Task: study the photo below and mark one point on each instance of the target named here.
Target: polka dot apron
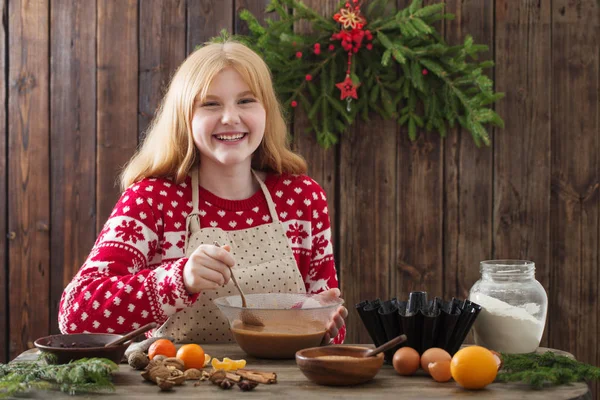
(264, 264)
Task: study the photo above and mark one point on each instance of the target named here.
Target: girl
(214, 167)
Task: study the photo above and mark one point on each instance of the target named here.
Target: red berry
(317, 51)
(424, 72)
(347, 5)
(317, 45)
(331, 47)
(299, 54)
(370, 46)
(294, 103)
(355, 1)
(309, 77)
(355, 49)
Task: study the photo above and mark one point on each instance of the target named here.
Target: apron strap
(192, 223)
(267, 195)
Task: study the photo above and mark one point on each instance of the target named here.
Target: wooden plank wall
(405, 216)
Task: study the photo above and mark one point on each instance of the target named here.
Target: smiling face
(229, 124)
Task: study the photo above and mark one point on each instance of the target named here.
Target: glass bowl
(282, 323)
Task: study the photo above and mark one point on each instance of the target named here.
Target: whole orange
(162, 346)
(192, 356)
(474, 367)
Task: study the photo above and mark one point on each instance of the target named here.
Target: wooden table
(292, 384)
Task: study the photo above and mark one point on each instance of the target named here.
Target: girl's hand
(207, 268)
(337, 318)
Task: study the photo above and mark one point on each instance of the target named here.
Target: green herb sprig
(538, 370)
(82, 376)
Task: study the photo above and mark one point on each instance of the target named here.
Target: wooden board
(29, 180)
(292, 384)
(522, 150)
(3, 190)
(162, 50)
(73, 143)
(419, 205)
(117, 101)
(468, 170)
(574, 240)
(206, 18)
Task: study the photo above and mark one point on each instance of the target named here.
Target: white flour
(506, 328)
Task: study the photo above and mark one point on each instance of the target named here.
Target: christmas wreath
(367, 59)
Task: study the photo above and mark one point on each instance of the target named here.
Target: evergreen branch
(81, 376)
(539, 370)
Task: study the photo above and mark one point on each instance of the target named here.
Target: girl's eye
(246, 101)
(210, 104)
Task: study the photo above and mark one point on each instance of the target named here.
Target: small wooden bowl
(324, 365)
(75, 346)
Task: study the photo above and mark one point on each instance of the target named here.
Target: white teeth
(230, 137)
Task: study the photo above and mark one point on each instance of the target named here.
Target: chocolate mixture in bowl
(278, 339)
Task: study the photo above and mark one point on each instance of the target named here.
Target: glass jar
(514, 306)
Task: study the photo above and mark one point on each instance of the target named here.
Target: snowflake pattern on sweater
(134, 273)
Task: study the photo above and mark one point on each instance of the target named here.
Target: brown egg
(440, 371)
(433, 355)
(406, 361)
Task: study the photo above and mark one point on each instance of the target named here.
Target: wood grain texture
(3, 189)
(73, 142)
(292, 384)
(29, 180)
(419, 222)
(522, 150)
(117, 101)
(468, 170)
(206, 18)
(162, 50)
(574, 240)
(322, 163)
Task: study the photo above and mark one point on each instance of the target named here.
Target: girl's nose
(230, 116)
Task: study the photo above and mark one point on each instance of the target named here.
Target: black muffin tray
(426, 323)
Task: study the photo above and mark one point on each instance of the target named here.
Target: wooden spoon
(246, 316)
(386, 346)
(132, 334)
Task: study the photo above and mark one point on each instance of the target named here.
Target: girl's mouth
(231, 137)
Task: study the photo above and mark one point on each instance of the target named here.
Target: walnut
(164, 384)
(156, 372)
(138, 360)
(174, 362)
(246, 385)
(205, 376)
(192, 373)
(159, 357)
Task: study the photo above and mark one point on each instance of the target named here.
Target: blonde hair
(169, 150)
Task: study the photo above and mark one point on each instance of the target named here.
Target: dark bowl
(338, 365)
(67, 348)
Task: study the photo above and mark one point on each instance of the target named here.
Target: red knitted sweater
(134, 273)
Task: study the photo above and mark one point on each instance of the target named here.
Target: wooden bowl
(67, 348)
(338, 365)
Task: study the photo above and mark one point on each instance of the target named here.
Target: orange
(162, 346)
(228, 364)
(192, 356)
(474, 367)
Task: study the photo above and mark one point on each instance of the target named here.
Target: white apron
(264, 264)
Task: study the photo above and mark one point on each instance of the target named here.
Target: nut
(192, 373)
(138, 360)
(160, 357)
(246, 385)
(164, 384)
(174, 362)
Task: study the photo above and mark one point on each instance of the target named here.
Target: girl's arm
(322, 274)
(118, 288)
